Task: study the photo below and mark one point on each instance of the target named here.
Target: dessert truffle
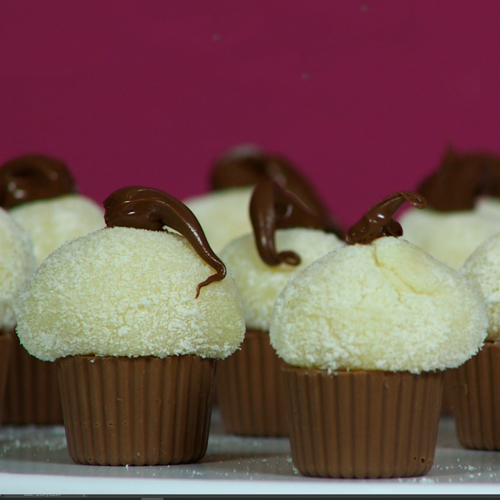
(224, 211)
(129, 295)
(463, 210)
(287, 236)
(17, 263)
(39, 192)
(367, 329)
(475, 383)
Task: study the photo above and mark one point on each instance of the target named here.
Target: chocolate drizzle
(378, 221)
(460, 180)
(256, 167)
(33, 177)
(272, 207)
(152, 209)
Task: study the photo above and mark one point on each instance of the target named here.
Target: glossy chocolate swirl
(33, 177)
(272, 207)
(378, 221)
(460, 180)
(152, 209)
(251, 169)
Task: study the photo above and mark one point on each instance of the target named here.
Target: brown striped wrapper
(6, 341)
(362, 424)
(32, 391)
(476, 396)
(250, 389)
(447, 402)
(136, 411)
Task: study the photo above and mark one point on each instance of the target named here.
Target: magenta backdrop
(362, 95)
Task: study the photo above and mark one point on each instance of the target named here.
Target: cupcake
(232, 179)
(135, 318)
(17, 264)
(39, 192)
(365, 332)
(474, 390)
(287, 236)
(464, 210)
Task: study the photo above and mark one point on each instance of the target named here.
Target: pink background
(362, 95)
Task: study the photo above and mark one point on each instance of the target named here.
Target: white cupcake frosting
(224, 215)
(128, 292)
(54, 221)
(452, 236)
(259, 284)
(483, 269)
(17, 263)
(383, 306)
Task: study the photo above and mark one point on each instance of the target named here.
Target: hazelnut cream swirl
(460, 180)
(378, 221)
(235, 171)
(33, 177)
(271, 208)
(152, 209)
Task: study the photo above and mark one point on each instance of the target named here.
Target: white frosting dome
(483, 269)
(260, 284)
(54, 221)
(223, 215)
(384, 306)
(17, 263)
(128, 292)
(451, 236)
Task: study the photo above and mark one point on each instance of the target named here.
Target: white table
(34, 460)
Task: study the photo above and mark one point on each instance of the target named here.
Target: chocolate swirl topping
(33, 177)
(272, 207)
(460, 180)
(378, 221)
(152, 209)
(251, 169)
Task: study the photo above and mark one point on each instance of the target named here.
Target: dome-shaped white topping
(17, 263)
(128, 292)
(383, 306)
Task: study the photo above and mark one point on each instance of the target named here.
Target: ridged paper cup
(362, 424)
(250, 389)
(32, 391)
(6, 341)
(477, 399)
(447, 401)
(136, 411)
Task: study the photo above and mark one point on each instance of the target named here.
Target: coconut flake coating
(260, 284)
(223, 214)
(54, 221)
(17, 264)
(128, 292)
(483, 269)
(451, 236)
(384, 306)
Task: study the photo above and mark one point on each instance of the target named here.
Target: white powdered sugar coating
(451, 236)
(17, 264)
(384, 306)
(259, 284)
(128, 292)
(483, 269)
(223, 215)
(54, 221)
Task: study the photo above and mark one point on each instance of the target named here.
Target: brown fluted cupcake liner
(32, 391)
(447, 401)
(362, 424)
(250, 389)
(136, 411)
(477, 399)
(6, 341)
